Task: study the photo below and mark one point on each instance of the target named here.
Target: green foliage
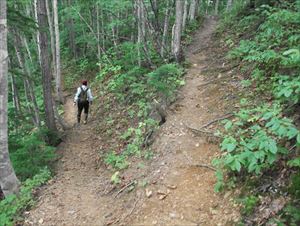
(166, 79)
(291, 215)
(115, 178)
(294, 188)
(12, 206)
(116, 161)
(257, 137)
(254, 140)
(249, 203)
(30, 154)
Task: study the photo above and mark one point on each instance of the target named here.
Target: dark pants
(82, 106)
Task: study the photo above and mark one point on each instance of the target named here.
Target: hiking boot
(84, 122)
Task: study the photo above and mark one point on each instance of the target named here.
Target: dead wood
(228, 115)
(126, 186)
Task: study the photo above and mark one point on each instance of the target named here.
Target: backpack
(83, 96)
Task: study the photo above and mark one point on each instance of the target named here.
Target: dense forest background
(133, 52)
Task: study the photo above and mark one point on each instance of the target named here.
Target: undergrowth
(264, 136)
(13, 206)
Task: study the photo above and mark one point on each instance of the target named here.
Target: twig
(131, 211)
(209, 133)
(228, 115)
(205, 166)
(127, 215)
(210, 81)
(198, 165)
(126, 186)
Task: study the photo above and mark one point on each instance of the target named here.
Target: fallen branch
(126, 186)
(205, 166)
(127, 215)
(228, 115)
(198, 165)
(131, 211)
(197, 131)
(210, 81)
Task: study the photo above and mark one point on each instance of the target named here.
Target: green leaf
(298, 139)
(228, 125)
(294, 163)
(272, 146)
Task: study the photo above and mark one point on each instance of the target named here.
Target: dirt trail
(182, 194)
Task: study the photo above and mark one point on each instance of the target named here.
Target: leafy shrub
(249, 203)
(255, 140)
(116, 161)
(12, 206)
(30, 155)
(166, 79)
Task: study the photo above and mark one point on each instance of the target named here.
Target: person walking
(83, 98)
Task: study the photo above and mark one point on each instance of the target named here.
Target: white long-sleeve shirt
(89, 93)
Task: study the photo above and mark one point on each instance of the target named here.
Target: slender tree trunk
(140, 33)
(185, 13)
(98, 34)
(52, 38)
(72, 33)
(46, 75)
(217, 7)
(24, 40)
(165, 32)
(192, 11)
(27, 79)
(229, 5)
(176, 39)
(38, 32)
(57, 52)
(16, 96)
(9, 183)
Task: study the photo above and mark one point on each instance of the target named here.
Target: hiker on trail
(83, 98)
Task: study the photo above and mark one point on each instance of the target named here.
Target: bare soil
(170, 189)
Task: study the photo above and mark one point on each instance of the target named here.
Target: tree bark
(8, 181)
(165, 32)
(229, 5)
(177, 29)
(45, 66)
(38, 32)
(16, 96)
(58, 87)
(72, 34)
(52, 38)
(27, 80)
(185, 13)
(217, 7)
(192, 11)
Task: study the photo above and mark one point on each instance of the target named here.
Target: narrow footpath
(176, 191)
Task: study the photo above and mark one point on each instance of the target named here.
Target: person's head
(84, 82)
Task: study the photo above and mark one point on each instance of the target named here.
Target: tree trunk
(16, 98)
(185, 11)
(165, 32)
(9, 183)
(38, 32)
(176, 39)
(229, 5)
(140, 33)
(98, 34)
(217, 7)
(72, 34)
(45, 66)
(28, 81)
(57, 52)
(192, 11)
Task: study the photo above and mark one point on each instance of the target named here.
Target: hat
(84, 82)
